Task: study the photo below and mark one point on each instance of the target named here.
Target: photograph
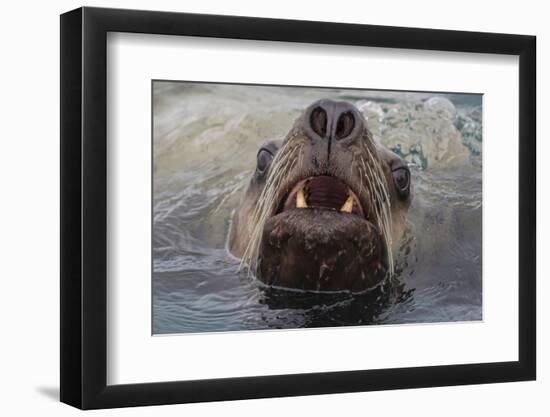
(254, 209)
(288, 207)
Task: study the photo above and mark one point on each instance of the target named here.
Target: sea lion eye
(402, 180)
(263, 160)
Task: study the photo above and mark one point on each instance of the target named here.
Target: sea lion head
(325, 207)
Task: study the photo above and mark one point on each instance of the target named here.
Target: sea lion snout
(333, 121)
(325, 207)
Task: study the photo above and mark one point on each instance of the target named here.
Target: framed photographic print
(257, 207)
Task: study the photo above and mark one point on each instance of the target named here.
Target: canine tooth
(348, 205)
(300, 199)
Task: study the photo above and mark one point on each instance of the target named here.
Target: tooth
(300, 199)
(348, 205)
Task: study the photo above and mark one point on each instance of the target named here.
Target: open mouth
(323, 192)
(321, 239)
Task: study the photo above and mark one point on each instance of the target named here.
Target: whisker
(267, 203)
(381, 197)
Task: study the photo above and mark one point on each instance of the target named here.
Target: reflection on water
(205, 141)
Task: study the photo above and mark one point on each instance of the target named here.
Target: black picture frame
(84, 207)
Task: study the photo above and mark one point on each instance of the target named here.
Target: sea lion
(325, 207)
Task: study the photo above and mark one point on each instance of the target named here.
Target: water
(205, 139)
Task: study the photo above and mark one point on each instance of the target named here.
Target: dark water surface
(205, 140)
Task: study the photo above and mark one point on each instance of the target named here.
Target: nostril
(318, 121)
(345, 125)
